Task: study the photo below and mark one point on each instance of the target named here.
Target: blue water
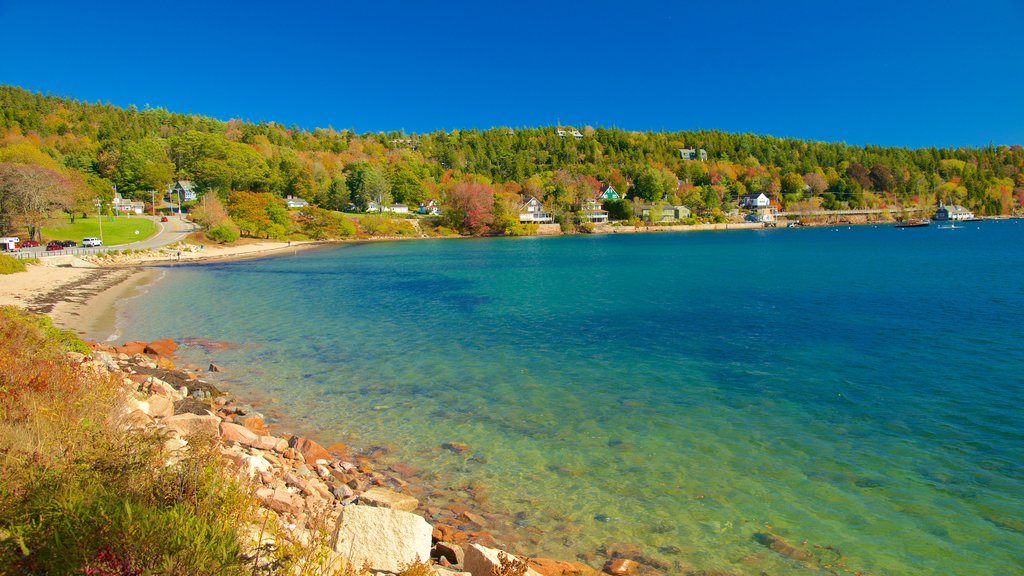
(854, 388)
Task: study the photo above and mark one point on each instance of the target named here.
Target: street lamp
(99, 217)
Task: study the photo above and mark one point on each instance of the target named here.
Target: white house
(293, 202)
(531, 211)
(755, 201)
(429, 207)
(763, 215)
(592, 211)
(693, 154)
(397, 208)
(954, 212)
(184, 190)
(120, 205)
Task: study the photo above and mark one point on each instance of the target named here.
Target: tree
(258, 214)
(816, 181)
(366, 184)
(859, 174)
(142, 166)
(470, 207)
(882, 178)
(28, 194)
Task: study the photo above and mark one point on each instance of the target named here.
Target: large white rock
(481, 559)
(385, 538)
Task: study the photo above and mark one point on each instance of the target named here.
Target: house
(531, 211)
(954, 212)
(561, 133)
(693, 154)
(763, 215)
(662, 212)
(592, 211)
(576, 134)
(293, 202)
(123, 206)
(397, 208)
(608, 193)
(184, 190)
(430, 207)
(754, 201)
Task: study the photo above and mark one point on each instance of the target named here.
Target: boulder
(451, 552)
(311, 451)
(484, 561)
(384, 498)
(193, 424)
(131, 348)
(165, 347)
(216, 368)
(284, 502)
(256, 424)
(473, 518)
(386, 539)
(160, 406)
(237, 434)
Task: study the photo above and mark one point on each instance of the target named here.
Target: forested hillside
(79, 151)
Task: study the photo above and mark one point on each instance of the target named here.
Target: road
(174, 230)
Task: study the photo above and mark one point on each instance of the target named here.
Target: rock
(75, 357)
(137, 419)
(473, 518)
(192, 424)
(131, 348)
(237, 434)
(256, 424)
(484, 561)
(269, 443)
(620, 566)
(165, 363)
(160, 406)
(549, 567)
(165, 347)
(338, 448)
(284, 502)
(384, 498)
(189, 405)
(452, 552)
(404, 470)
(777, 544)
(382, 537)
(440, 571)
(457, 447)
(310, 450)
(215, 368)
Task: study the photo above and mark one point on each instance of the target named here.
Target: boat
(949, 227)
(913, 223)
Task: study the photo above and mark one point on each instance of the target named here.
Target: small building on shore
(954, 213)
(293, 202)
(608, 193)
(662, 212)
(754, 201)
(592, 212)
(429, 207)
(531, 211)
(182, 191)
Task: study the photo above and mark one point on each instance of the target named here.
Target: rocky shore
(364, 508)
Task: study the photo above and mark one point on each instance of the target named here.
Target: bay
(854, 389)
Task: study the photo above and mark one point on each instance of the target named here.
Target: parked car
(54, 245)
(69, 243)
(30, 244)
(163, 218)
(90, 242)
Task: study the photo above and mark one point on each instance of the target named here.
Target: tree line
(77, 152)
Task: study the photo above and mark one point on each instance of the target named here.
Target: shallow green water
(854, 388)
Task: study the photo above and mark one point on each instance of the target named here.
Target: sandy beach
(81, 294)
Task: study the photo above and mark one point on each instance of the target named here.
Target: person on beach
(179, 255)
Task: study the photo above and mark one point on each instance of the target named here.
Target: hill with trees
(60, 155)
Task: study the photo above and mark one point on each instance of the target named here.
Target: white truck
(9, 243)
(90, 242)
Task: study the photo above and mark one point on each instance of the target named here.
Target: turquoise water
(855, 388)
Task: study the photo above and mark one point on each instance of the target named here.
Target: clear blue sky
(909, 73)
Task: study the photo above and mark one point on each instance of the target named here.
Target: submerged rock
(777, 544)
(384, 498)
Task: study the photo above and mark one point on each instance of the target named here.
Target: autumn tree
(470, 207)
(258, 214)
(142, 166)
(882, 178)
(816, 181)
(28, 194)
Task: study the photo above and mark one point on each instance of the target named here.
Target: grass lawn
(119, 230)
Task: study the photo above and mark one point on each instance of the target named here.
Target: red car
(54, 245)
(163, 218)
(29, 244)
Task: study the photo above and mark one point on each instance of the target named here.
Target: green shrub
(10, 264)
(82, 493)
(521, 229)
(223, 232)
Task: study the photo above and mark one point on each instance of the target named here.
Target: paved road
(175, 229)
